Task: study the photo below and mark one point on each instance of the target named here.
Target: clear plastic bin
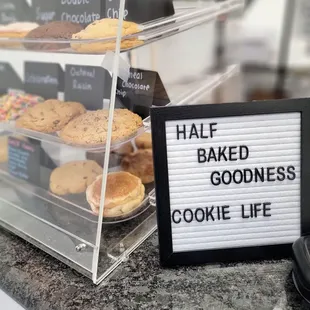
(47, 196)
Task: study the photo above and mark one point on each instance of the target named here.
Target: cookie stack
(125, 189)
(124, 193)
(140, 162)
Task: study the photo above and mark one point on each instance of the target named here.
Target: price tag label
(143, 90)
(88, 85)
(9, 78)
(80, 11)
(43, 79)
(24, 160)
(231, 180)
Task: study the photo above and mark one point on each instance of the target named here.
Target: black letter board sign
(142, 90)
(88, 85)
(24, 160)
(43, 79)
(9, 78)
(232, 180)
(140, 11)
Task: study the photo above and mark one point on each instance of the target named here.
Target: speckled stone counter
(39, 282)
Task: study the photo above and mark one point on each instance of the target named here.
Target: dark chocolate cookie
(54, 30)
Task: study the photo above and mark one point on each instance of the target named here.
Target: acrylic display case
(78, 182)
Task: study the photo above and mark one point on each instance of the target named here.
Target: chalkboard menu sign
(44, 79)
(80, 11)
(44, 11)
(14, 10)
(140, 11)
(143, 90)
(231, 180)
(9, 78)
(24, 160)
(112, 9)
(88, 85)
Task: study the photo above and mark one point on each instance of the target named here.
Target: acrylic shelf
(75, 204)
(49, 231)
(191, 96)
(178, 52)
(55, 139)
(184, 19)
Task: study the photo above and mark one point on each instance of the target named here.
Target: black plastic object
(142, 11)
(301, 266)
(143, 90)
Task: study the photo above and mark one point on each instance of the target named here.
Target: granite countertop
(37, 281)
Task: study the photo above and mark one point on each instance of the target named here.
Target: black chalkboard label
(24, 160)
(43, 79)
(143, 90)
(88, 85)
(14, 11)
(44, 11)
(9, 78)
(140, 11)
(112, 9)
(80, 11)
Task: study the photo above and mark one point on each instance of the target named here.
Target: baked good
(102, 29)
(50, 116)
(4, 154)
(98, 157)
(140, 164)
(61, 30)
(124, 149)
(15, 31)
(12, 106)
(144, 141)
(91, 128)
(74, 177)
(124, 193)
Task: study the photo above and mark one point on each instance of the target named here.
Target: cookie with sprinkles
(12, 106)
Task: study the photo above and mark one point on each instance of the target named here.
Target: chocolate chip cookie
(103, 29)
(91, 128)
(50, 116)
(140, 164)
(74, 177)
(144, 141)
